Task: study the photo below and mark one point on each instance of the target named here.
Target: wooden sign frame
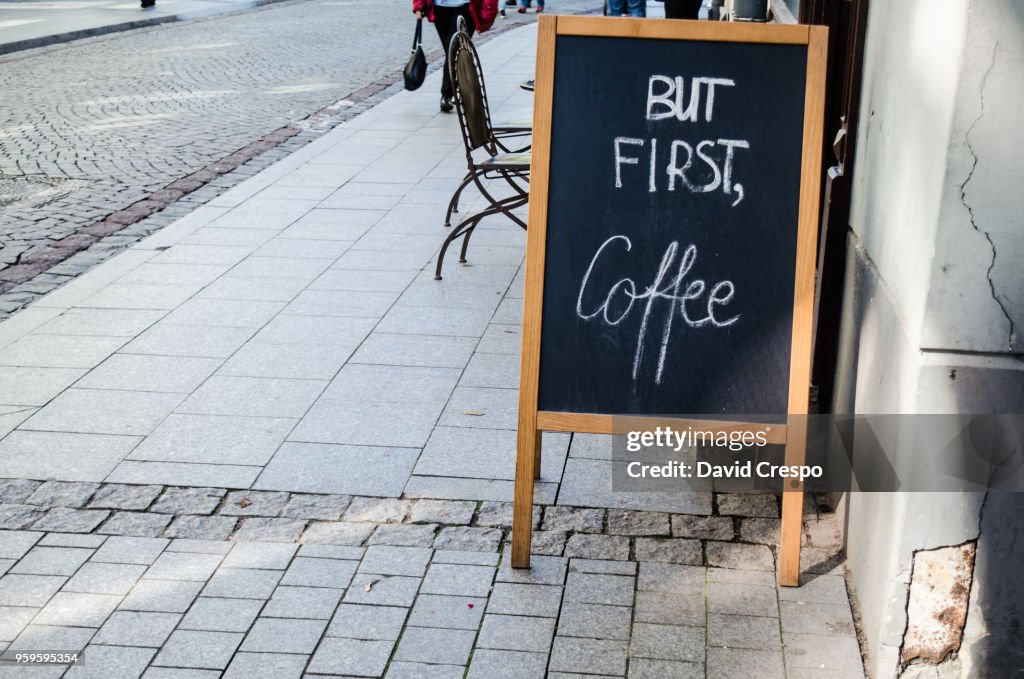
(531, 422)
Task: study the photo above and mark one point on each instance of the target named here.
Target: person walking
(444, 14)
(525, 5)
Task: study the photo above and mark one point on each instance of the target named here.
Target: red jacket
(482, 11)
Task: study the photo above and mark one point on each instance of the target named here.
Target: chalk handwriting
(713, 170)
(665, 105)
(683, 297)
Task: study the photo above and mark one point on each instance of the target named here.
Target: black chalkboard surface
(672, 225)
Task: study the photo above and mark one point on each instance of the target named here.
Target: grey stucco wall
(935, 304)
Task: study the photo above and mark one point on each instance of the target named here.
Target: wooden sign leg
(792, 506)
(527, 469)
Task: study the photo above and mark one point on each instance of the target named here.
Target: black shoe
(446, 104)
(148, 3)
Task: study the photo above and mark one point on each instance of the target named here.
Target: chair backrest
(470, 94)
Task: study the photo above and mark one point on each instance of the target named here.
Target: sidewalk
(34, 23)
(266, 441)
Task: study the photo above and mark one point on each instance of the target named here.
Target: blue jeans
(525, 3)
(633, 8)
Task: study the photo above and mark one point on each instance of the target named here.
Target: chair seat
(506, 161)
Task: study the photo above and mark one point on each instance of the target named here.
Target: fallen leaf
(476, 413)
(244, 502)
(469, 605)
(370, 584)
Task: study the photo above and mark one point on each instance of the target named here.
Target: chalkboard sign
(672, 227)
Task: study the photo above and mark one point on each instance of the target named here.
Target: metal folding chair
(481, 139)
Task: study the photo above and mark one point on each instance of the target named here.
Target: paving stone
(499, 515)
(270, 530)
(626, 522)
(332, 552)
(13, 620)
(73, 609)
(735, 599)
(351, 657)
(670, 550)
(105, 578)
(516, 633)
(16, 491)
(728, 575)
(164, 596)
(648, 668)
(82, 540)
(242, 583)
(744, 631)
(202, 527)
(543, 570)
(597, 547)
(817, 618)
(395, 560)
(465, 558)
(594, 588)
(62, 494)
(199, 649)
(703, 527)
(112, 661)
(491, 663)
(549, 542)
(594, 621)
(189, 500)
(323, 507)
(254, 503)
(461, 538)
(670, 608)
(179, 673)
(17, 517)
(417, 670)
(826, 589)
(303, 602)
(734, 663)
(458, 580)
(602, 566)
(183, 566)
(667, 642)
(382, 590)
(138, 524)
(748, 504)
(451, 512)
(124, 496)
(130, 628)
(740, 556)
(378, 510)
(451, 612)
(67, 520)
(37, 637)
(310, 572)
(276, 665)
(334, 468)
(570, 654)
(270, 555)
(284, 635)
(221, 615)
(337, 533)
(760, 531)
(52, 561)
(663, 577)
(533, 600)
(817, 651)
(356, 621)
(399, 535)
(433, 645)
(574, 519)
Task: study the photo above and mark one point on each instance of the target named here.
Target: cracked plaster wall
(935, 301)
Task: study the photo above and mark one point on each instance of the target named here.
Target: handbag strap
(417, 37)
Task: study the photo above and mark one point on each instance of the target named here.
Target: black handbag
(416, 69)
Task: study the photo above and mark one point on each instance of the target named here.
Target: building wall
(933, 311)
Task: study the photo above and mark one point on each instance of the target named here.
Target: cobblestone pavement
(265, 442)
(99, 134)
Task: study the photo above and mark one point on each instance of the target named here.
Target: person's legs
(637, 8)
(616, 8)
(444, 23)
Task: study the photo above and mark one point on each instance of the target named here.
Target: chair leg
(453, 204)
